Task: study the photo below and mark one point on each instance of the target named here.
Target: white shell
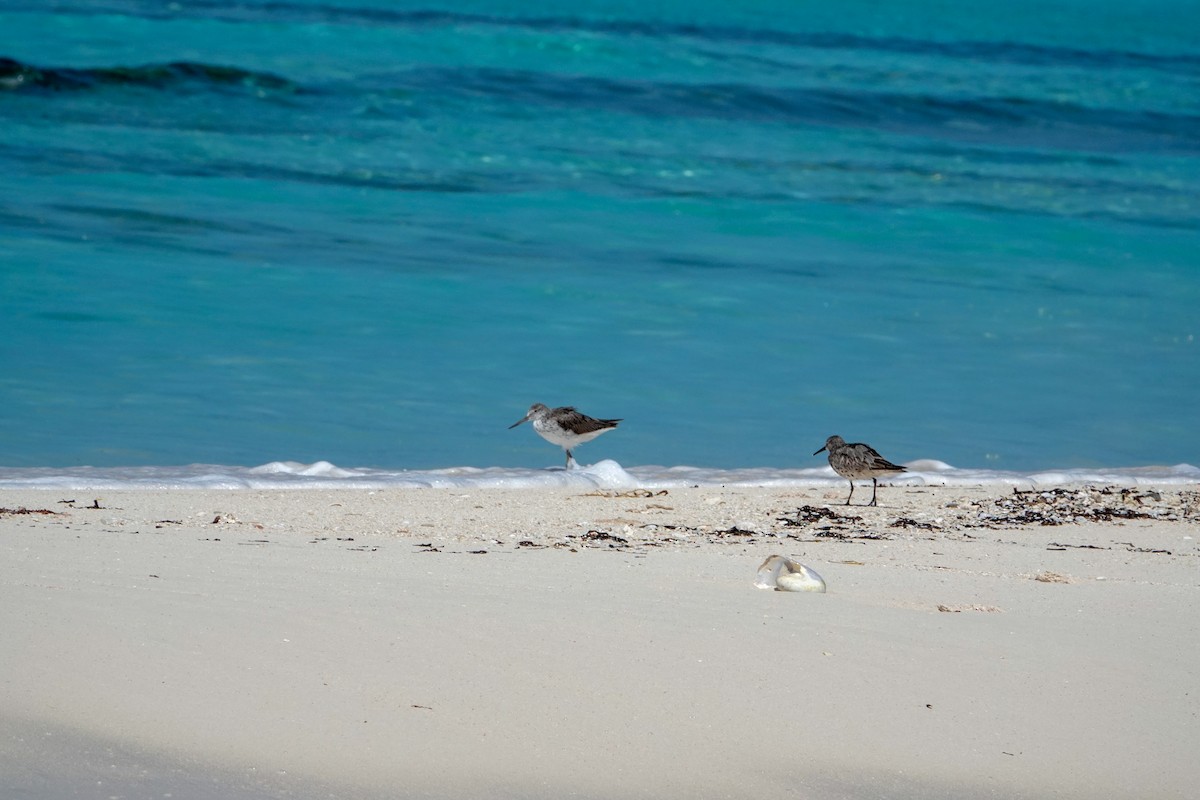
(784, 575)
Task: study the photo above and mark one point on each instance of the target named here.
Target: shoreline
(606, 474)
(552, 642)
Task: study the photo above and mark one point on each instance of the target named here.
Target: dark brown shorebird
(857, 461)
(565, 427)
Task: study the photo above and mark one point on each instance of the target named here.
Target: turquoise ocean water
(373, 233)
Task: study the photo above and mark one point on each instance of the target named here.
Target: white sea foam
(602, 475)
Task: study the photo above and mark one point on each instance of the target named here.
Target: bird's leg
(874, 489)
(851, 493)
(570, 460)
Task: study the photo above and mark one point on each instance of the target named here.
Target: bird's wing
(877, 461)
(577, 422)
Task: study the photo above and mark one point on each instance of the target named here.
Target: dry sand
(551, 644)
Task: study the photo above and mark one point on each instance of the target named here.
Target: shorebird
(857, 461)
(565, 427)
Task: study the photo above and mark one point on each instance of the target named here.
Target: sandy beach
(550, 643)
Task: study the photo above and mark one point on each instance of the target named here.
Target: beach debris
(736, 530)
(1045, 576)
(785, 575)
(638, 527)
(22, 511)
(640, 493)
(607, 538)
(825, 523)
(1065, 506)
(95, 506)
(807, 515)
(958, 609)
(225, 518)
(1131, 547)
(907, 522)
(833, 533)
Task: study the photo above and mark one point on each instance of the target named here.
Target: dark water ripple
(176, 76)
(55, 160)
(470, 181)
(1004, 121)
(304, 13)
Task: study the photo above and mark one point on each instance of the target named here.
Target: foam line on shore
(602, 475)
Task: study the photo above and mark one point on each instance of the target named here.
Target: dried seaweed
(906, 522)
(735, 531)
(807, 515)
(848, 535)
(26, 511)
(836, 526)
(1046, 507)
(607, 538)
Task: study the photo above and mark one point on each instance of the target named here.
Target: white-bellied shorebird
(857, 461)
(565, 427)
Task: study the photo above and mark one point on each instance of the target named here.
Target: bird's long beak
(518, 422)
(819, 451)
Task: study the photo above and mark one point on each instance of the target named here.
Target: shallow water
(373, 233)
